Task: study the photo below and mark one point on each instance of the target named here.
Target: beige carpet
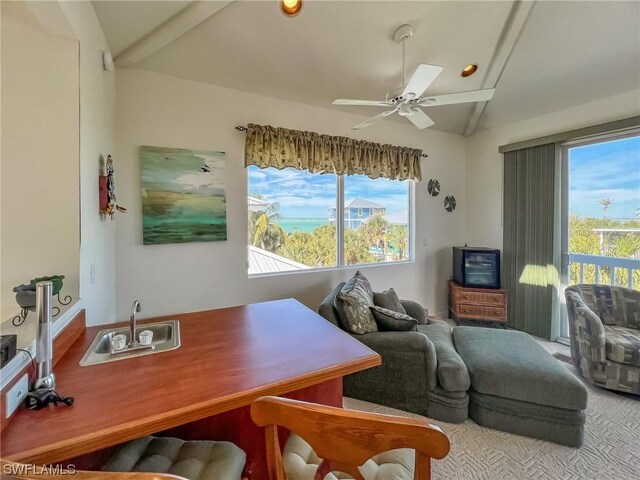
(611, 450)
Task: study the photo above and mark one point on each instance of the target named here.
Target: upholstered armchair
(604, 330)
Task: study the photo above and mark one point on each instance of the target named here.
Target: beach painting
(183, 195)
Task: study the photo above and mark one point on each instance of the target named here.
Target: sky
(303, 195)
(182, 171)
(605, 170)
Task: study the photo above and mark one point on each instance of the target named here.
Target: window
(299, 220)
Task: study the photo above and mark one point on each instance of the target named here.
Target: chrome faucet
(135, 308)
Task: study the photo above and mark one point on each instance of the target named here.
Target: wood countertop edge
(108, 437)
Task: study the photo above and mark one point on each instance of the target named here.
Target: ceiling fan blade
(462, 97)
(370, 103)
(366, 123)
(421, 79)
(420, 119)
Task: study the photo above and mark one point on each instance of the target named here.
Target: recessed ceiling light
(469, 70)
(290, 7)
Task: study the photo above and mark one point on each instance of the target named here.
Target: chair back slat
(346, 439)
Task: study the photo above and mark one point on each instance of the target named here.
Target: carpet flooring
(611, 450)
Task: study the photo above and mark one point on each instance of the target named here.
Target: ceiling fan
(406, 100)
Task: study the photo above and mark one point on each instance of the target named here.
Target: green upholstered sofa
(604, 330)
(421, 371)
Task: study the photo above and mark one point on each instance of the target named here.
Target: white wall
(484, 163)
(153, 109)
(97, 139)
(40, 215)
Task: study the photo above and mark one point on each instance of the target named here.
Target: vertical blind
(529, 269)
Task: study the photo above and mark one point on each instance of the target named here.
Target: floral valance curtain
(268, 146)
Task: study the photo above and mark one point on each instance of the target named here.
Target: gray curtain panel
(529, 273)
(268, 146)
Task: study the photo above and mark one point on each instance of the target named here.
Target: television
(476, 267)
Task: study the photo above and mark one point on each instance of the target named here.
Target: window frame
(339, 221)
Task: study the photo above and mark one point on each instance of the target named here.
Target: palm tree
(606, 203)
(374, 230)
(264, 230)
(398, 238)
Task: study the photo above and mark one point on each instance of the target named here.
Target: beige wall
(40, 151)
(484, 163)
(97, 139)
(153, 109)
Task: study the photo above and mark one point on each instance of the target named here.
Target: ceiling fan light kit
(406, 100)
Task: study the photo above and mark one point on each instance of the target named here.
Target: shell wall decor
(449, 203)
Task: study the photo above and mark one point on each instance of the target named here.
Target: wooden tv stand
(481, 304)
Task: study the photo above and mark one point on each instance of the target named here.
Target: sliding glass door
(601, 213)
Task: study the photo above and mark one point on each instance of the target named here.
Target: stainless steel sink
(166, 336)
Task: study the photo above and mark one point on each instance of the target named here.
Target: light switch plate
(16, 395)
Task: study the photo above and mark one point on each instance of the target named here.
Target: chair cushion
(623, 344)
(197, 460)
(389, 300)
(300, 463)
(389, 320)
(353, 303)
(453, 375)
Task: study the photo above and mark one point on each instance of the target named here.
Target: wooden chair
(345, 439)
(20, 471)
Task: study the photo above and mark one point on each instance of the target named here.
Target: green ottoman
(518, 387)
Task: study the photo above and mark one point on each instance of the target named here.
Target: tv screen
(477, 267)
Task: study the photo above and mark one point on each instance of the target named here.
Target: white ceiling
(567, 54)
(125, 22)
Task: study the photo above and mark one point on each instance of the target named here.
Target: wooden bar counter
(227, 359)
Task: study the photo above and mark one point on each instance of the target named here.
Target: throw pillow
(353, 301)
(389, 300)
(388, 320)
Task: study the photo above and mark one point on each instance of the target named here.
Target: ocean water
(292, 225)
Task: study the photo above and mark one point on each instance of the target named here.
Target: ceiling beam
(185, 20)
(506, 43)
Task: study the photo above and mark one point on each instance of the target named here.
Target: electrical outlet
(93, 273)
(16, 395)
(424, 242)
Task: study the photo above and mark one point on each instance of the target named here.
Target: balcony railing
(624, 272)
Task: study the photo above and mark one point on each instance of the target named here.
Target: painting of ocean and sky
(183, 195)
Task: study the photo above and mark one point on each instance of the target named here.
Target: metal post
(44, 340)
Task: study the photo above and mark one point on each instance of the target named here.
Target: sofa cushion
(623, 344)
(301, 462)
(511, 364)
(389, 300)
(353, 302)
(453, 375)
(388, 320)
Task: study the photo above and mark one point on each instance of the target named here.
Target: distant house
(356, 211)
(396, 218)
